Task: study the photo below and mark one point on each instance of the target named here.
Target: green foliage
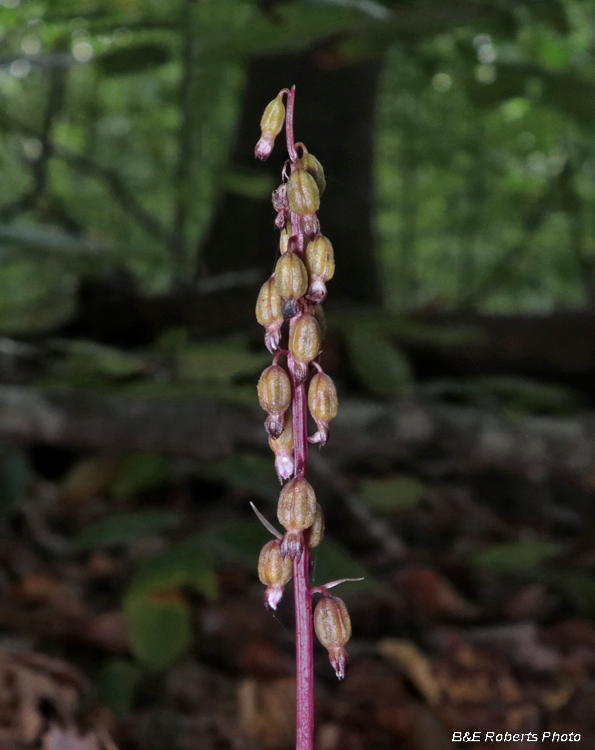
(139, 472)
(515, 395)
(392, 495)
(249, 472)
(332, 562)
(159, 627)
(381, 366)
(157, 615)
(481, 105)
(116, 684)
(15, 476)
(124, 528)
(517, 557)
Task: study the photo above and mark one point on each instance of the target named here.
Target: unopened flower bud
(302, 193)
(314, 167)
(333, 628)
(296, 511)
(269, 313)
(270, 127)
(323, 404)
(274, 571)
(282, 447)
(304, 344)
(291, 277)
(274, 395)
(317, 529)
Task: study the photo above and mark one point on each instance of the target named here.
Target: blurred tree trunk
(335, 118)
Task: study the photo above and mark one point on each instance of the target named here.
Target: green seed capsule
(331, 622)
(320, 258)
(296, 509)
(268, 305)
(291, 277)
(322, 399)
(274, 390)
(273, 569)
(314, 167)
(333, 628)
(270, 126)
(273, 116)
(318, 313)
(302, 193)
(305, 338)
(317, 528)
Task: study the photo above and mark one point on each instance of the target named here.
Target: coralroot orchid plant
(293, 295)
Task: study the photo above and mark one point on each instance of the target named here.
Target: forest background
(135, 231)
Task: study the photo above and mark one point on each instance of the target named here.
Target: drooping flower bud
(302, 193)
(270, 127)
(296, 511)
(333, 628)
(269, 313)
(323, 404)
(274, 571)
(291, 277)
(314, 167)
(274, 395)
(282, 447)
(317, 528)
(304, 344)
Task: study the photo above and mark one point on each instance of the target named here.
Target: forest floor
(476, 615)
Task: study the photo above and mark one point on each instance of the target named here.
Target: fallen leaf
(267, 712)
(434, 595)
(414, 664)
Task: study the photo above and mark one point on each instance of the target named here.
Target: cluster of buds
(291, 298)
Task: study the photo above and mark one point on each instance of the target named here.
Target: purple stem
(301, 570)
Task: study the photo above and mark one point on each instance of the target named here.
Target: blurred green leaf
(124, 528)
(133, 59)
(159, 627)
(89, 358)
(50, 240)
(184, 564)
(158, 617)
(240, 540)
(140, 472)
(16, 474)
(580, 588)
(218, 363)
(249, 472)
(392, 495)
(517, 557)
(333, 561)
(381, 367)
(116, 685)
